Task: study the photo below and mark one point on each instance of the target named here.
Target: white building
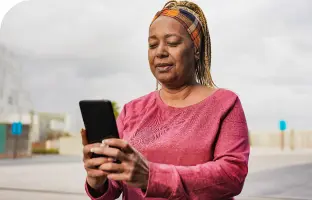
(13, 97)
(15, 104)
(41, 123)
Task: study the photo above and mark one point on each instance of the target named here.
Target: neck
(178, 93)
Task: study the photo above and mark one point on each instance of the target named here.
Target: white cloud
(74, 49)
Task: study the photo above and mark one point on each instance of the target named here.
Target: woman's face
(171, 53)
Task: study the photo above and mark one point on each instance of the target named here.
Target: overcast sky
(76, 49)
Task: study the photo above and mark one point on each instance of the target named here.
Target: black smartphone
(99, 120)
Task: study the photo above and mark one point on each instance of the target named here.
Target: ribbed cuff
(106, 194)
(160, 181)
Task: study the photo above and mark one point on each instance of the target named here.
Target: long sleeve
(114, 188)
(222, 178)
(113, 191)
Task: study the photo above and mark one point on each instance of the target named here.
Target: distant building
(49, 121)
(15, 105)
(41, 123)
(12, 100)
(9, 144)
(13, 96)
(35, 129)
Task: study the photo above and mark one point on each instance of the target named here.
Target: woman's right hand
(95, 178)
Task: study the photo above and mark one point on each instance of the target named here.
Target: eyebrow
(172, 35)
(166, 36)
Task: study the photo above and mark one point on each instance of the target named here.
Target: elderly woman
(187, 140)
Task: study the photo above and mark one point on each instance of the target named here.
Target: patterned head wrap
(187, 19)
(193, 20)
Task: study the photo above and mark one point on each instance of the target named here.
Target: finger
(87, 148)
(84, 159)
(120, 144)
(110, 152)
(84, 137)
(119, 177)
(108, 159)
(112, 167)
(95, 162)
(96, 173)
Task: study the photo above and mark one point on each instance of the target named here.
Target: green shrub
(45, 151)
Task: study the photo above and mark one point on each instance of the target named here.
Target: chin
(164, 78)
(167, 81)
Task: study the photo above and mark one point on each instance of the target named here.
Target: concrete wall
(52, 144)
(70, 146)
(293, 140)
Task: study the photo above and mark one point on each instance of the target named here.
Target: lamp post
(282, 127)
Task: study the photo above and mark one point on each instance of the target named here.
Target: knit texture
(199, 152)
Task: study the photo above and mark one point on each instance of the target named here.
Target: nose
(162, 51)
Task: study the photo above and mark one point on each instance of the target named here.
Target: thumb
(84, 137)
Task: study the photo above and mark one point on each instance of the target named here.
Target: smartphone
(99, 120)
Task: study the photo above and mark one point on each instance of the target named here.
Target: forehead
(167, 25)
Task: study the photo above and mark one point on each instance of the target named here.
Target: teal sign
(282, 125)
(17, 128)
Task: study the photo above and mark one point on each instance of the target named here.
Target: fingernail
(103, 145)
(95, 149)
(106, 141)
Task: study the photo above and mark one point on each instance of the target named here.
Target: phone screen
(99, 120)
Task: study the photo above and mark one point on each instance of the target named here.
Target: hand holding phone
(96, 178)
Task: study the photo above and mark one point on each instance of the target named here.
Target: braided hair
(203, 64)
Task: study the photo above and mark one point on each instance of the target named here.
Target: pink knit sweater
(199, 152)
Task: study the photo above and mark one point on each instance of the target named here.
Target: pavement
(293, 182)
(273, 175)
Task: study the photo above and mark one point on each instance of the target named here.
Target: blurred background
(55, 53)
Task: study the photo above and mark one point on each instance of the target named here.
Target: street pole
(19, 113)
(19, 110)
(15, 146)
(292, 139)
(282, 140)
(282, 127)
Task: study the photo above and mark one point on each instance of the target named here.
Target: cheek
(150, 56)
(188, 53)
(177, 55)
(183, 56)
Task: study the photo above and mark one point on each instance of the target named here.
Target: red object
(197, 152)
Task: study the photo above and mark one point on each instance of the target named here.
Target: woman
(187, 140)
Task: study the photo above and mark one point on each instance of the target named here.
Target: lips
(163, 65)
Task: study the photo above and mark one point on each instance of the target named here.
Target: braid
(203, 67)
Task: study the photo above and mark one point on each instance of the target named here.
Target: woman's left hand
(133, 168)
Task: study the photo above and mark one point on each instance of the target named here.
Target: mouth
(163, 67)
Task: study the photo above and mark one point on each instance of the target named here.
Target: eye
(173, 44)
(152, 46)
